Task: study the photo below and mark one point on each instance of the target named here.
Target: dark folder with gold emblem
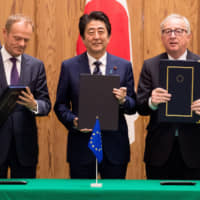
(182, 80)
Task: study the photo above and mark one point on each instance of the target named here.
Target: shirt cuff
(123, 101)
(151, 105)
(35, 111)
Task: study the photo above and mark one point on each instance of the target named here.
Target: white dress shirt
(92, 66)
(8, 63)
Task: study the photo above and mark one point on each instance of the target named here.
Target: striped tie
(97, 69)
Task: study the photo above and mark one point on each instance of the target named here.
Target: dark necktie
(14, 73)
(97, 69)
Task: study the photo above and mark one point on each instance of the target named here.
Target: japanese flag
(120, 41)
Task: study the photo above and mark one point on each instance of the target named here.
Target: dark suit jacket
(115, 144)
(160, 137)
(21, 123)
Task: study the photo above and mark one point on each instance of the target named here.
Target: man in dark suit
(95, 30)
(18, 134)
(172, 150)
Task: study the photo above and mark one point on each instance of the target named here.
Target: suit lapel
(84, 65)
(190, 55)
(25, 75)
(164, 56)
(3, 81)
(111, 68)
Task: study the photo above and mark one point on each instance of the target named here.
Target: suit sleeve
(41, 93)
(129, 107)
(144, 91)
(62, 105)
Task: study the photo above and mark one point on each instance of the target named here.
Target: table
(66, 189)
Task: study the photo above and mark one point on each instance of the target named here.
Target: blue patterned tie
(97, 69)
(14, 73)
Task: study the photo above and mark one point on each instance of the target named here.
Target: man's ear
(189, 36)
(83, 40)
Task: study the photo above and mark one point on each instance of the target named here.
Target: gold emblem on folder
(179, 78)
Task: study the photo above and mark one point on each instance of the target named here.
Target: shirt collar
(91, 59)
(182, 57)
(6, 56)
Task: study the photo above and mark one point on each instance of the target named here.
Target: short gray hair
(18, 18)
(176, 16)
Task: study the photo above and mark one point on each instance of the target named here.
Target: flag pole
(96, 184)
(96, 171)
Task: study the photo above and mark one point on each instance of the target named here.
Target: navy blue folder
(182, 80)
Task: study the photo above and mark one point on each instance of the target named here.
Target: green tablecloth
(66, 189)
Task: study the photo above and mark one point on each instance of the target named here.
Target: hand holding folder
(8, 101)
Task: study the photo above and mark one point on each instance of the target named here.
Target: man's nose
(173, 34)
(22, 42)
(96, 35)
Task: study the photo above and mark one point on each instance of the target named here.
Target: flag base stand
(96, 185)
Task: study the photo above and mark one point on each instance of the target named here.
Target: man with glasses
(172, 151)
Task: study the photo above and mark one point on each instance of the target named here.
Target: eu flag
(95, 143)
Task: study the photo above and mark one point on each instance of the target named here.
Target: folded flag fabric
(95, 143)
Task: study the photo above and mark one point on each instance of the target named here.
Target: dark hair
(95, 15)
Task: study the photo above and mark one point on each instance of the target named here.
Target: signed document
(97, 100)
(181, 79)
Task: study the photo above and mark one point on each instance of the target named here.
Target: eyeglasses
(177, 31)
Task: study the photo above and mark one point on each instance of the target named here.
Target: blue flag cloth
(95, 143)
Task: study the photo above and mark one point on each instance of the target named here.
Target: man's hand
(196, 106)
(160, 95)
(85, 130)
(120, 94)
(26, 99)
